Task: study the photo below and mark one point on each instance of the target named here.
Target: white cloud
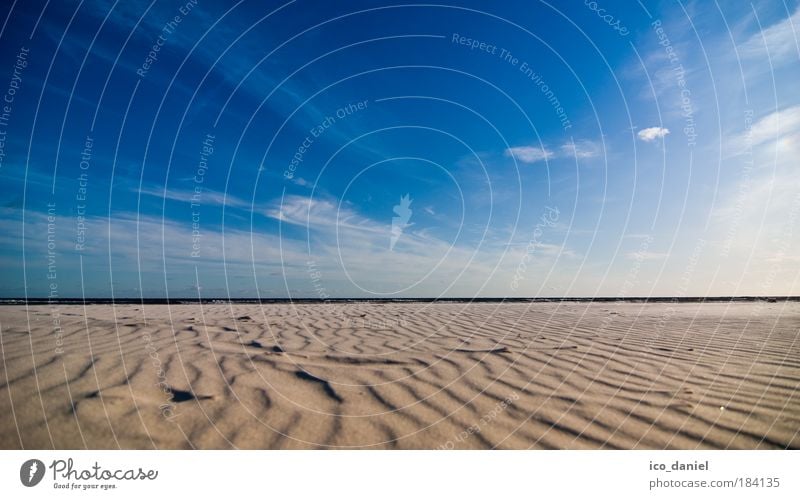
(653, 133)
(529, 154)
(779, 41)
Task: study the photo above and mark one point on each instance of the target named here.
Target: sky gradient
(380, 149)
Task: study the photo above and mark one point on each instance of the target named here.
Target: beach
(561, 375)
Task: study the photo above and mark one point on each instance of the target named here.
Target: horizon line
(305, 300)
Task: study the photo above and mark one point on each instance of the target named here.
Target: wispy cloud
(137, 246)
(344, 239)
(582, 149)
(322, 215)
(779, 42)
(529, 154)
(301, 182)
(203, 197)
(773, 128)
(646, 255)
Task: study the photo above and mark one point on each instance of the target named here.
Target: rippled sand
(402, 375)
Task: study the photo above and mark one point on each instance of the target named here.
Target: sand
(402, 375)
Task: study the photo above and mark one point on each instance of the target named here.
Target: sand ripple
(405, 375)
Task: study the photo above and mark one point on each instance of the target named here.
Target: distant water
(180, 301)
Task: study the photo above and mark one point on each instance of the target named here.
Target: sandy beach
(402, 375)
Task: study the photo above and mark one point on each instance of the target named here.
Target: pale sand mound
(409, 375)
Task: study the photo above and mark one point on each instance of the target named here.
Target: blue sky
(589, 149)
